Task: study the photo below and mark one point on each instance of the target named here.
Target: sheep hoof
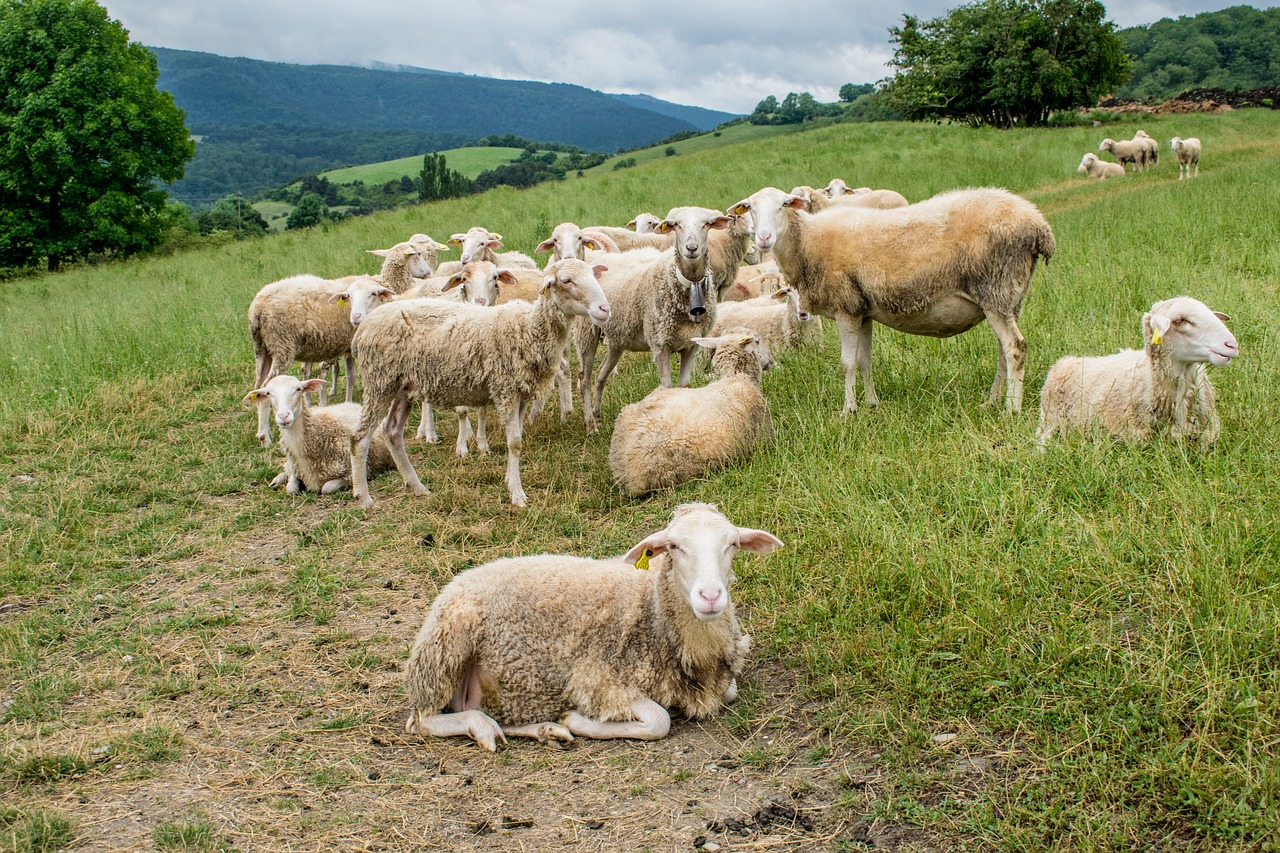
(280, 480)
(548, 732)
(264, 440)
(366, 501)
(421, 491)
(519, 499)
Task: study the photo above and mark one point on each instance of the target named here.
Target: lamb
(644, 223)
(937, 268)
(1188, 154)
(478, 244)
(1151, 148)
(661, 300)
(1136, 393)
(302, 318)
(1125, 151)
(677, 434)
(467, 355)
(1100, 169)
(317, 442)
(603, 656)
(777, 318)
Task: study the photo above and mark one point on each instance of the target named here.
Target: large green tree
(1006, 62)
(85, 136)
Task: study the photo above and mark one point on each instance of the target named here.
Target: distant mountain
(702, 119)
(218, 91)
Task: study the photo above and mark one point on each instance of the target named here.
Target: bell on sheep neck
(697, 302)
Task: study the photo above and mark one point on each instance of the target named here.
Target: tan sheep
(1188, 154)
(1093, 167)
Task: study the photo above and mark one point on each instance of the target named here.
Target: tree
(437, 180)
(1006, 62)
(850, 92)
(310, 211)
(85, 136)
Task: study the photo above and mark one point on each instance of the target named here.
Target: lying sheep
(1150, 148)
(317, 442)
(1100, 169)
(1125, 151)
(678, 434)
(937, 268)
(1135, 393)
(644, 223)
(661, 301)
(604, 655)
(1188, 154)
(467, 355)
(307, 318)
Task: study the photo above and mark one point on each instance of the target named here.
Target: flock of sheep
(1142, 151)
(616, 648)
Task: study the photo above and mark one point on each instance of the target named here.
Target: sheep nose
(480, 300)
(710, 596)
(1230, 345)
(357, 319)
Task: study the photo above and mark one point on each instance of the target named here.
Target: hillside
(965, 644)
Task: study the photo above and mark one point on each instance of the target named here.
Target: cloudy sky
(722, 54)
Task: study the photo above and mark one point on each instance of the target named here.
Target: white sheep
(1151, 148)
(551, 647)
(644, 223)
(317, 442)
(862, 197)
(1125, 151)
(1188, 154)
(625, 239)
(306, 318)
(467, 355)
(422, 262)
(777, 318)
(1135, 393)
(675, 435)
(481, 244)
(1100, 169)
(661, 301)
(936, 268)
(836, 188)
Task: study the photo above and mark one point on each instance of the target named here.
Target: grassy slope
(1100, 620)
(468, 161)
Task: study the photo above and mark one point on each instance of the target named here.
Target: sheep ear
(382, 253)
(440, 247)
(657, 543)
(746, 340)
(1159, 326)
(720, 223)
(631, 225)
(545, 245)
(599, 268)
(312, 386)
(338, 299)
(253, 396)
(1223, 317)
(798, 202)
(547, 282)
(663, 227)
(457, 239)
(708, 343)
(757, 541)
(780, 293)
(602, 243)
(591, 243)
(505, 276)
(454, 280)
(384, 293)
(740, 208)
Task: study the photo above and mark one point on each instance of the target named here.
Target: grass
(1099, 622)
(469, 161)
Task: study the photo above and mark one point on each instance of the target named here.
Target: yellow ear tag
(643, 562)
(342, 300)
(1155, 336)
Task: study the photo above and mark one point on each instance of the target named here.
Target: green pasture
(469, 161)
(1099, 624)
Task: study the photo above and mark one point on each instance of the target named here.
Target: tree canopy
(1005, 62)
(85, 136)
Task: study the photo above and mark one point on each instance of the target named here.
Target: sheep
(727, 249)
(302, 318)
(1093, 167)
(626, 239)
(836, 188)
(420, 264)
(644, 223)
(467, 355)
(863, 197)
(675, 435)
(555, 646)
(777, 318)
(751, 281)
(937, 268)
(1151, 148)
(567, 240)
(661, 300)
(1125, 151)
(1188, 154)
(478, 244)
(1136, 393)
(317, 442)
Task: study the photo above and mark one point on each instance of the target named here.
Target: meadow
(469, 161)
(964, 645)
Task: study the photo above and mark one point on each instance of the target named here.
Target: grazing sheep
(303, 318)
(317, 442)
(777, 318)
(661, 300)
(937, 268)
(1188, 154)
(675, 435)
(467, 355)
(1151, 148)
(554, 646)
(1125, 151)
(1135, 393)
(644, 223)
(1100, 169)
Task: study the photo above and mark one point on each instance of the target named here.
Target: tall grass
(1102, 618)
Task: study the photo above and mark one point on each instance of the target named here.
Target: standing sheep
(1188, 154)
(317, 442)
(480, 244)
(552, 646)
(466, 355)
(1134, 393)
(675, 435)
(1125, 151)
(937, 268)
(1093, 167)
(1151, 148)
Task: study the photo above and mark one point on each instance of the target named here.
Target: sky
(720, 54)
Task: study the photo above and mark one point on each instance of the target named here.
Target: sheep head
(363, 296)
(1190, 332)
(573, 285)
(287, 395)
(769, 207)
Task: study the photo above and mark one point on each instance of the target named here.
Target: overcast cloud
(721, 54)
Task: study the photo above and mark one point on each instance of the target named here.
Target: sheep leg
(652, 722)
(293, 484)
(543, 732)
(662, 360)
(597, 405)
(1013, 348)
(397, 418)
(482, 436)
(474, 723)
(515, 441)
(280, 479)
(855, 355)
(427, 429)
(587, 361)
(334, 485)
(349, 364)
(266, 371)
(464, 431)
(565, 382)
(686, 365)
(1002, 373)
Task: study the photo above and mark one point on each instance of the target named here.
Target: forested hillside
(1236, 48)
